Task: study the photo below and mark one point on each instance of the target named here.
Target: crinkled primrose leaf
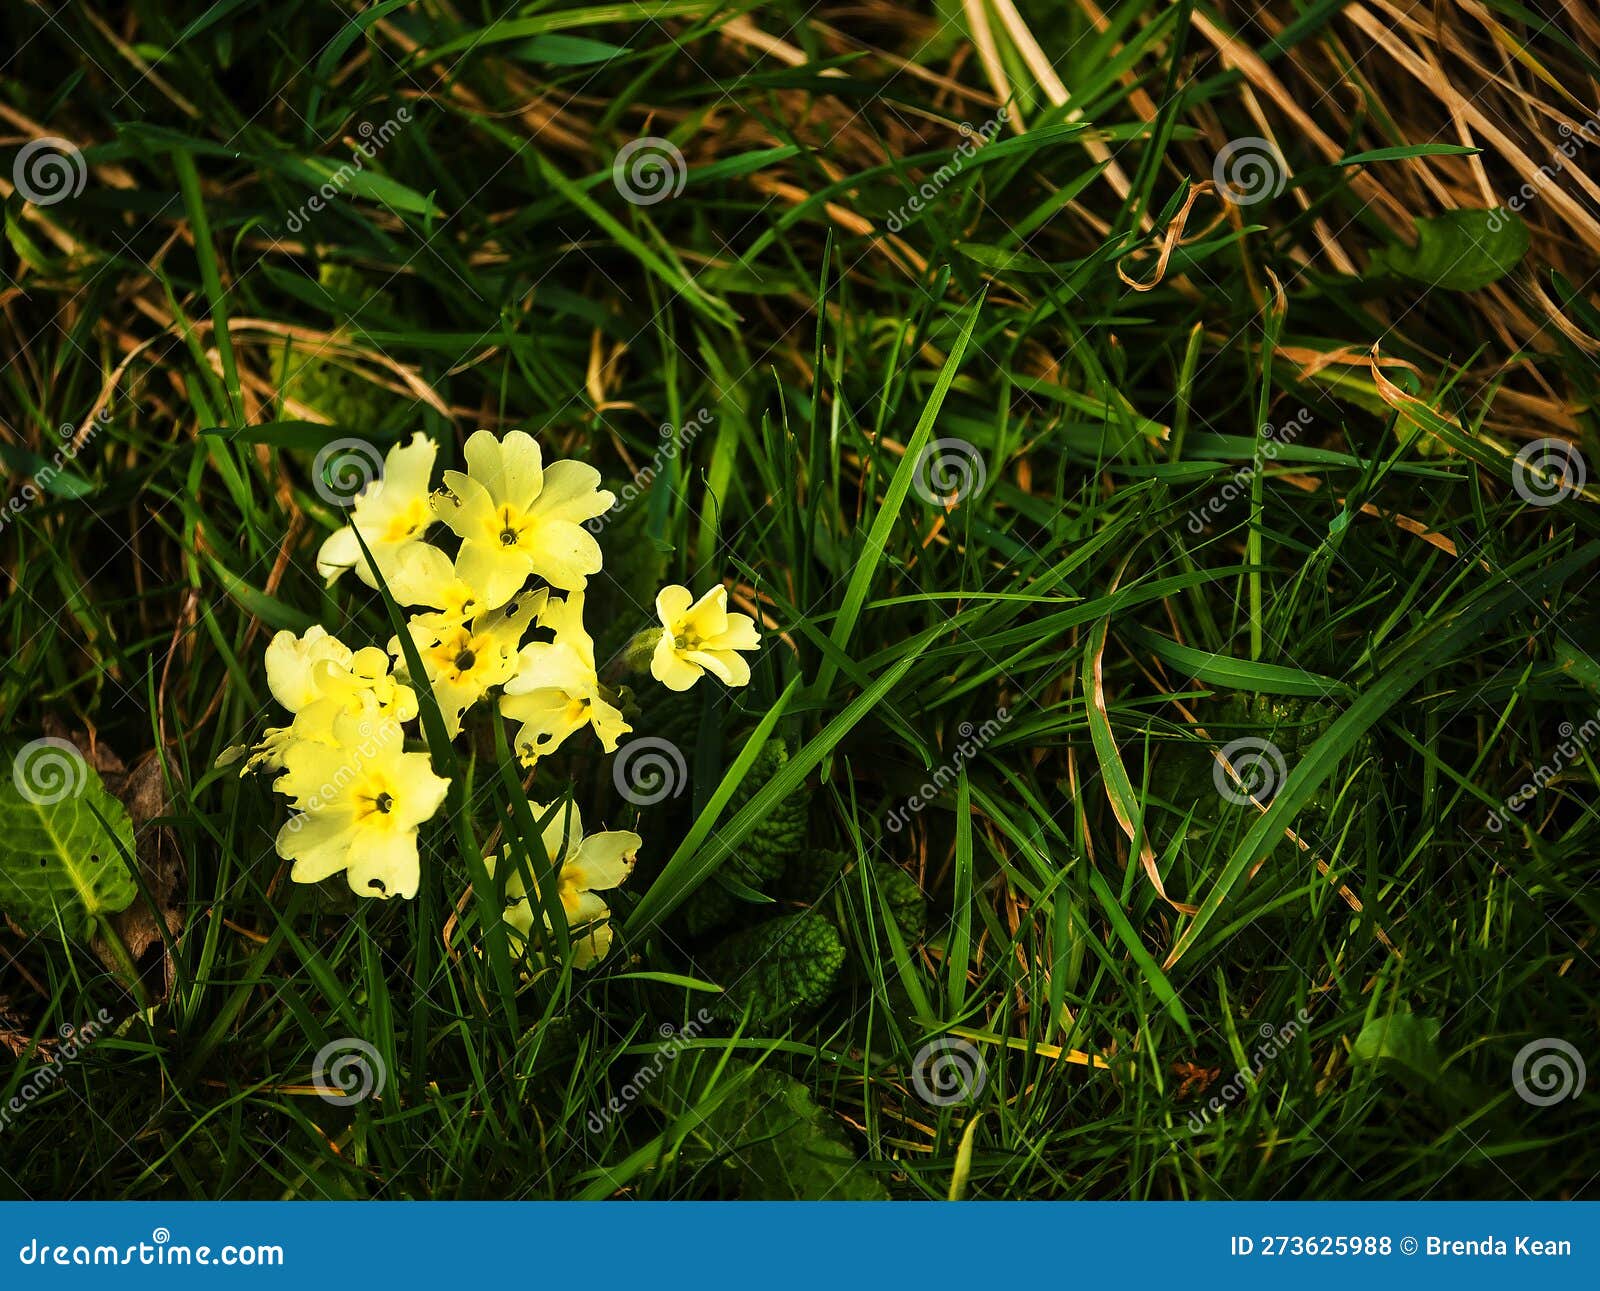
(776, 969)
(63, 838)
(781, 1145)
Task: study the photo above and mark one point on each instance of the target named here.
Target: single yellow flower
(556, 689)
(359, 802)
(587, 867)
(464, 660)
(392, 513)
(701, 637)
(517, 517)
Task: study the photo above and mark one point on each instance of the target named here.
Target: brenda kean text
(1293, 1244)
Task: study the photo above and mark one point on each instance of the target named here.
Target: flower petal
(551, 666)
(510, 469)
(563, 835)
(317, 841)
(383, 863)
(292, 665)
(338, 554)
(547, 720)
(671, 669)
(604, 861)
(563, 554)
(572, 492)
(408, 468)
(740, 634)
(709, 616)
(494, 572)
(422, 575)
(609, 724)
(464, 505)
(672, 603)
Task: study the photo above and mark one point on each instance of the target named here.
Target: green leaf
(307, 436)
(347, 181)
(1159, 983)
(1239, 674)
(556, 50)
(1404, 152)
(777, 969)
(776, 1144)
(652, 11)
(999, 260)
(269, 609)
(1460, 250)
(1404, 1042)
(52, 479)
(63, 839)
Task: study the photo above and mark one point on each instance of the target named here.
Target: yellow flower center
(407, 522)
(457, 653)
(510, 527)
(374, 803)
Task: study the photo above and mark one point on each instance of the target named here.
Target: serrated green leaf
(778, 1144)
(776, 969)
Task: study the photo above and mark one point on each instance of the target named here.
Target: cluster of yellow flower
(523, 563)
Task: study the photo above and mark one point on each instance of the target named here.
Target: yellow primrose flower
(463, 660)
(292, 660)
(391, 513)
(359, 803)
(424, 575)
(516, 517)
(556, 689)
(588, 867)
(318, 678)
(699, 638)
